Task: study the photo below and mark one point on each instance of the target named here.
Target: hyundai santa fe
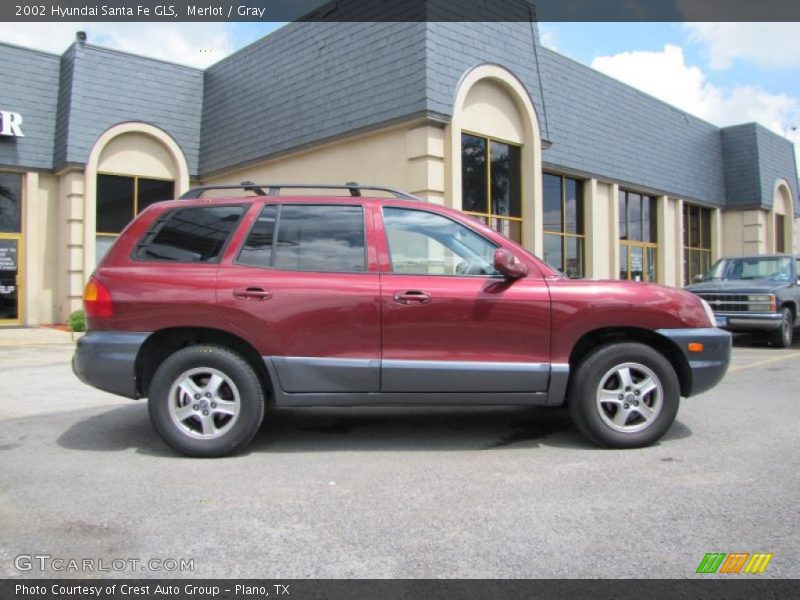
(217, 309)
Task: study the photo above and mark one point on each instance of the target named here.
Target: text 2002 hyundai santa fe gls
(217, 308)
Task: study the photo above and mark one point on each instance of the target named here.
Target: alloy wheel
(204, 403)
(629, 397)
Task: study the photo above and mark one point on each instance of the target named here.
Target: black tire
(203, 423)
(783, 336)
(603, 371)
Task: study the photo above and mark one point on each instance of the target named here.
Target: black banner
(399, 10)
(734, 588)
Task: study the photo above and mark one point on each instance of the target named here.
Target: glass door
(637, 261)
(10, 278)
(11, 275)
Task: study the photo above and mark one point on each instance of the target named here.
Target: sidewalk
(34, 336)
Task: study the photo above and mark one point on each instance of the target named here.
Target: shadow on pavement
(118, 429)
(358, 429)
(755, 340)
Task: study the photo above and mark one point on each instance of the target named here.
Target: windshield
(778, 268)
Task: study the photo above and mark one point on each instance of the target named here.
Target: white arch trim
(531, 151)
(782, 188)
(90, 178)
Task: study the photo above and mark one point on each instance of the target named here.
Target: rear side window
(190, 235)
(328, 238)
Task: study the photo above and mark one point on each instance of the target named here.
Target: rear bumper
(748, 322)
(107, 360)
(708, 367)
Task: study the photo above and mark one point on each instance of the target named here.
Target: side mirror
(509, 265)
(698, 278)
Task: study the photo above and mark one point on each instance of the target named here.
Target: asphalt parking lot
(426, 493)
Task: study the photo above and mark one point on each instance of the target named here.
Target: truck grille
(728, 303)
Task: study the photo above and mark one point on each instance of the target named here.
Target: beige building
(613, 188)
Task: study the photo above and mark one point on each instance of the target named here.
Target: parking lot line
(764, 362)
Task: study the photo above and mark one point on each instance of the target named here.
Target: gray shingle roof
(776, 161)
(454, 48)
(308, 82)
(105, 87)
(742, 177)
(29, 86)
(755, 159)
(601, 126)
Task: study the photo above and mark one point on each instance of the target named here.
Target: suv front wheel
(206, 400)
(624, 395)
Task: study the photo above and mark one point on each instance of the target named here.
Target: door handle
(412, 297)
(252, 293)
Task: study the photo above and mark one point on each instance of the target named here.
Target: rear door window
(190, 235)
(305, 237)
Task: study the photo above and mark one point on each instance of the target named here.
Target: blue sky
(725, 73)
(586, 41)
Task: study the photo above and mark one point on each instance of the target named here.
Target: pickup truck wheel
(782, 337)
(624, 395)
(206, 400)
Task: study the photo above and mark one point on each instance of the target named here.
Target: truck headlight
(709, 313)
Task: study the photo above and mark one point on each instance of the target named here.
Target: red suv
(215, 309)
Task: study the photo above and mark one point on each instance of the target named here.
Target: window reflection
(696, 241)
(563, 224)
(424, 243)
(491, 179)
(638, 248)
(307, 238)
(473, 174)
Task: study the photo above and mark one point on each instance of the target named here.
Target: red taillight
(97, 300)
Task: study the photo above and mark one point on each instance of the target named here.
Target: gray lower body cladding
(313, 381)
(706, 367)
(107, 360)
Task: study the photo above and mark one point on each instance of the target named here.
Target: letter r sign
(10, 123)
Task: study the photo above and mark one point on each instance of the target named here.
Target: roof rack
(274, 189)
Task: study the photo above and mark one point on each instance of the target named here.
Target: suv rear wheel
(206, 400)
(624, 395)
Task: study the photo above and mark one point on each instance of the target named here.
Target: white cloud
(771, 45)
(547, 36)
(194, 44)
(666, 75)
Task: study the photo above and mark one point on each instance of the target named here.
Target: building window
(780, 234)
(638, 247)
(120, 198)
(564, 236)
(491, 183)
(10, 203)
(696, 241)
(11, 267)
